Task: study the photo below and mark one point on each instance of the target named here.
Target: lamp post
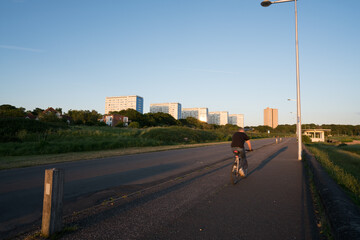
(267, 3)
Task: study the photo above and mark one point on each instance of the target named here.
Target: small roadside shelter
(316, 135)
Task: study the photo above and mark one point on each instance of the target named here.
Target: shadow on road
(79, 194)
(267, 160)
(122, 206)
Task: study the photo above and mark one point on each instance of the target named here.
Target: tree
(160, 119)
(195, 123)
(191, 122)
(133, 116)
(49, 117)
(84, 117)
(37, 111)
(286, 128)
(7, 110)
(263, 129)
(59, 110)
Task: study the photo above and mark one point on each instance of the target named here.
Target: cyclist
(237, 144)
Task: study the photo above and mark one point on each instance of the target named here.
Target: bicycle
(237, 170)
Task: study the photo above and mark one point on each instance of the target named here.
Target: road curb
(343, 214)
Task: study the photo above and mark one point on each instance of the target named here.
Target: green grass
(29, 143)
(342, 165)
(322, 220)
(179, 135)
(351, 148)
(344, 139)
(34, 160)
(81, 139)
(74, 144)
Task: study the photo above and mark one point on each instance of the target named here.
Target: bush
(14, 129)
(134, 125)
(120, 124)
(306, 139)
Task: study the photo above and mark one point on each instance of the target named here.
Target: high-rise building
(219, 118)
(237, 119)
(271, 117)
(174, 109)
(198, 113)
(123, 103)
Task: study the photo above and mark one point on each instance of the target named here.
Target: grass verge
(28, 161)
(343, 166)
(322, 220)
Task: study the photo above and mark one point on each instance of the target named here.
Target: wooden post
(53, 201)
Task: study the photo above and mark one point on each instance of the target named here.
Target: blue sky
(231, 55)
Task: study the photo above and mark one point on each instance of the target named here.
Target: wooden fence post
(53, 202)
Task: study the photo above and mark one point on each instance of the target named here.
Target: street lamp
(267, 3)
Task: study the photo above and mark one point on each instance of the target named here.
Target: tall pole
(298, 122)
(267, 3)
(298, 87)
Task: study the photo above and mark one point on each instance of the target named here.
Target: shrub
(120, 124)
(306, 139)
(15, 129)
(134, 125)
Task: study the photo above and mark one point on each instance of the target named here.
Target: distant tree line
(138, 120)
(77, 117)
(336, 129)
(164, 119)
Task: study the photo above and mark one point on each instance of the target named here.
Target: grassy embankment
(344, 139)
(26, 143)
(29, 143)
(342, 163)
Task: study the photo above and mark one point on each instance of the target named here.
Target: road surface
(168, 209)
(21, 190)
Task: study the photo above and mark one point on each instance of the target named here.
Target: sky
(226, 55)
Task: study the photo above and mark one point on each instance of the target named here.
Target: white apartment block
(198, 113)
(219, 118)
(123, 103)
(237, 119)
(174, 109)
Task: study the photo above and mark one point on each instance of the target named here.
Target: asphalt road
(88, 182)
(273, 202)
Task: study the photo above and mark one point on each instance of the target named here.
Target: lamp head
(266, 3)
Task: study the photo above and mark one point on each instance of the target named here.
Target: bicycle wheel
(234, 174)
(242, 169)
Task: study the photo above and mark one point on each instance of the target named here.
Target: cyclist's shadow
(266, 161)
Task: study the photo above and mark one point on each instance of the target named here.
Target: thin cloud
(20, 48)
(212, 71)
